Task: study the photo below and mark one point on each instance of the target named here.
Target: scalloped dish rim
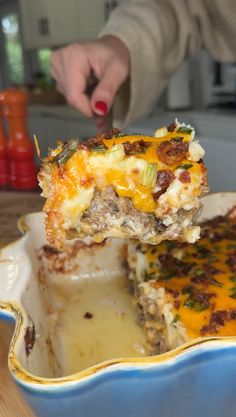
(24, 377)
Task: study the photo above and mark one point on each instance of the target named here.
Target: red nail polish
(101, 108)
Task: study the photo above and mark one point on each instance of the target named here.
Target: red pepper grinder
(4, 168)
(23, 172)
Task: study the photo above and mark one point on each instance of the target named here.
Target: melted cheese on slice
(86, 169)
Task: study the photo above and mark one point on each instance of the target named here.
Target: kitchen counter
(64, 110)
(57, 110)
(212, 123)
(12, 206)
(11, 402)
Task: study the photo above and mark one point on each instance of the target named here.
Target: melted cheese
(85, 170)
(223, 289)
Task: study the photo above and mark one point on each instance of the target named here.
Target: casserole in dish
(194, 379)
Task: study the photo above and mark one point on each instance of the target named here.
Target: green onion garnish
(185, 129)
(149, 175)
(67, 151)
(185, 166)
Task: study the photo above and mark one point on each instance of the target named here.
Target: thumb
(106, 90)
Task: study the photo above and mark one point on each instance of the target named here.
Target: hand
(107, 59)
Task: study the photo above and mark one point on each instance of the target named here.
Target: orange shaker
(23, 172)
(4, 168)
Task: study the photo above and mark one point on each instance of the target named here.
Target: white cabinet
(52, 23)
(35, 23)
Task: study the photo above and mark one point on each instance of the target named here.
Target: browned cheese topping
(200, 279)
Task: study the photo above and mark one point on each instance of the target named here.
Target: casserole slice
(184, 291)
(125, 186)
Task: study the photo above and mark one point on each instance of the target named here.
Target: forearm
(160, 34)
(150, 30)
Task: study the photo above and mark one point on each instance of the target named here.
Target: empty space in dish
(89, 308)
(73, 308)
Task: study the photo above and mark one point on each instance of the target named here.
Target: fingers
(77, 99)
(107, 88)
(71, 71)
(73, 66)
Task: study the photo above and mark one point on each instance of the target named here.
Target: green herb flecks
(231, 246)
(178, 139)
(98, 147)
(149, 175)
(188, 289)
(150, 275)
(215, 282)
(175, 319)
(196, 300)
(166, 275)
(66, 153)
(185, 166)
(123, 134)
(199, 272)
(194, 304)
(232, 292)
(184, 129)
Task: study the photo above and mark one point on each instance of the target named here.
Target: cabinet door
(75, 20)
(54, 23)
(35, 23)
(91, 16)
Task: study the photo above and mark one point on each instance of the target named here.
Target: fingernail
(101, 108)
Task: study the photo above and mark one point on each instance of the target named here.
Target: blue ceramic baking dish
(194, 380)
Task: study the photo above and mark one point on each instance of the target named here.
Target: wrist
(117, 45)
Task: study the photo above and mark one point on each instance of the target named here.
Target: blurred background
(202, 93)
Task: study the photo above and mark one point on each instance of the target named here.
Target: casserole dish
(195, 379)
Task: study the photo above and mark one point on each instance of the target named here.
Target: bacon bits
(218, 319)
(109, 134)
(171, 127)
(96, 144)
(231, 261)
(164, 179)
(131, 148)
(172, 266)
(172, 152)
(184, 177)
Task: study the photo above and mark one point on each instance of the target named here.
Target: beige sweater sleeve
(160, 34)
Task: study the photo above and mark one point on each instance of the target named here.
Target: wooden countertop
(12, 206)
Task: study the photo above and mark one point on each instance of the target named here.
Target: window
(17, 65)
(12, 56)
(40, 75)
(13, 49)
(44, 56)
